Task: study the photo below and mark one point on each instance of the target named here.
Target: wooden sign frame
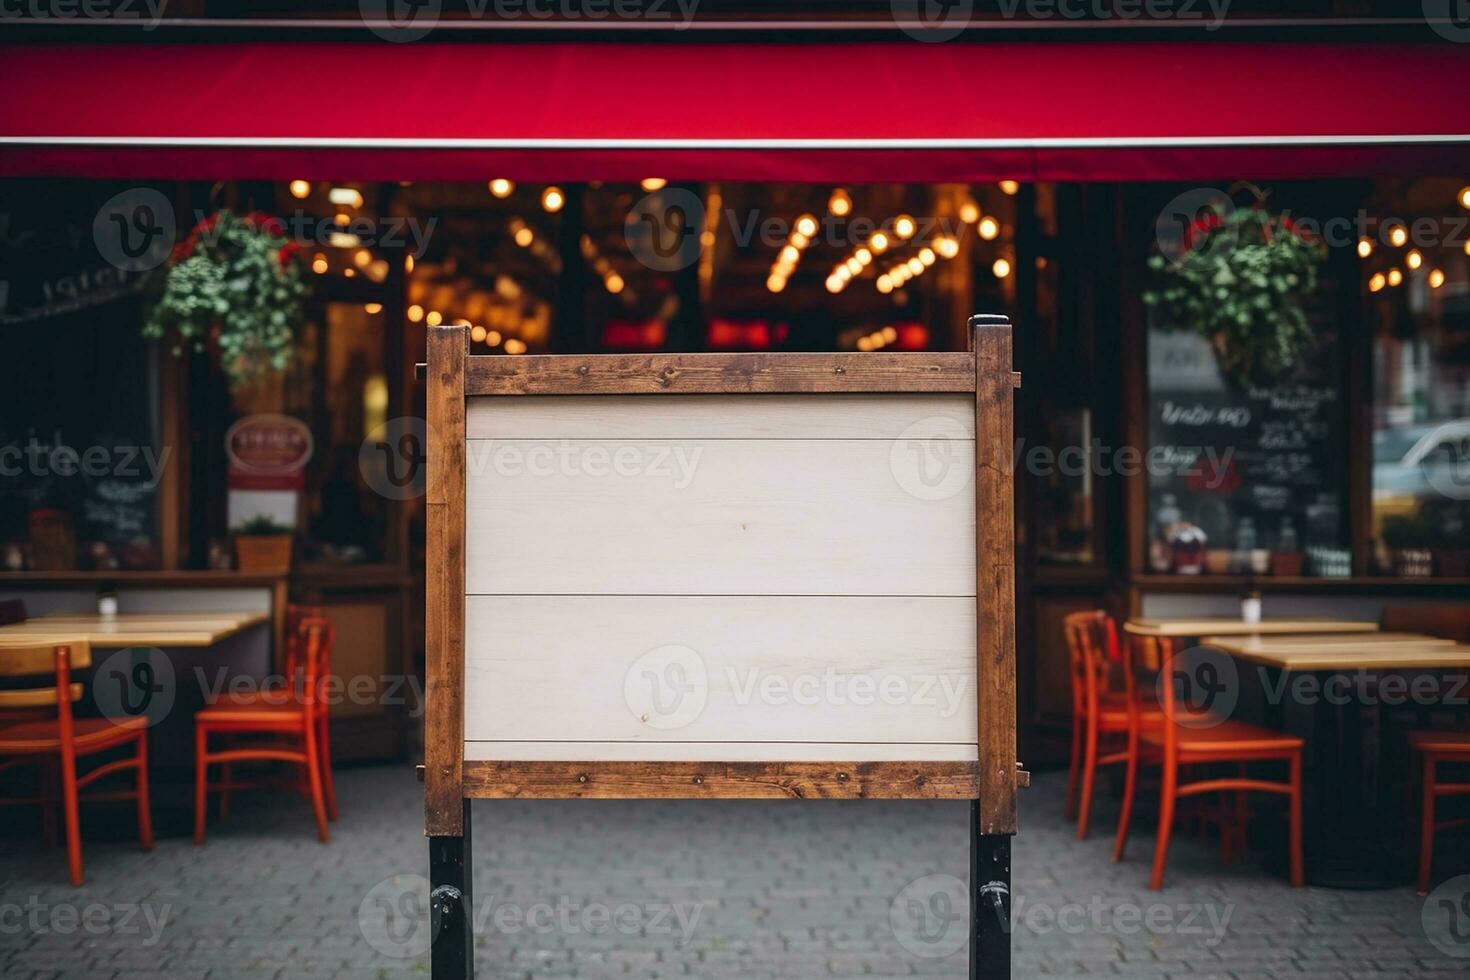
(450, 781)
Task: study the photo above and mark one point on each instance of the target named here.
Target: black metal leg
(990, 902)
(450, 902)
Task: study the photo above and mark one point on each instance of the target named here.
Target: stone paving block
(782, 890)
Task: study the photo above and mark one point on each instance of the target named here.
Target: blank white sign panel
(727, 578)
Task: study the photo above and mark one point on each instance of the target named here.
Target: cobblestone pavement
(645, 889)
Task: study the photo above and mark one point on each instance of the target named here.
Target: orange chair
(55, 745)
(1434, 748)
(295, 716)
(1201, 743)
(295, 616)
(1098, 711)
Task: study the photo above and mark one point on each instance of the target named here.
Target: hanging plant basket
(232, 282)
(1241, 281)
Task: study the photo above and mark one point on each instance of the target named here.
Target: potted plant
(1240, 280)
(232, 282)
(262, 545)
(1409, 538)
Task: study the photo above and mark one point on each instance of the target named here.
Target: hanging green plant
(1241, 280)
(235, 281)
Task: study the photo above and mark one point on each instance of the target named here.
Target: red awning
(818, 112)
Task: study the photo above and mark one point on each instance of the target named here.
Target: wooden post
(993, 815)
(995, 571)
(444, 585)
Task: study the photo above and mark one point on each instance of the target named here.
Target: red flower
(287, 252)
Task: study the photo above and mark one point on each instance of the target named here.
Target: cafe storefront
(1305, 436)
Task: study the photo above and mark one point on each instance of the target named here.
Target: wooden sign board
(718, 576)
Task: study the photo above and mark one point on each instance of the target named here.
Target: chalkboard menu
(78, 389)
(1257, 468)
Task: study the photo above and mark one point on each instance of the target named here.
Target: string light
(493, 338)
(372, 309)
(1395, 277)
(1465, 197)
(840, 203)
(501, 187)
(947, 247)
(969, 212)
(878, 243)
(652, 184)
(477, 333)
(904, 227)
(319, 264)
(346, 197)
(797, 241)
(1001, 268)
(415, 313)
(362, 258)
(1436, 278)
(514, 346)
(434, 318)
(1414, 259)
(1376, 282)
(300, 189)
(1398, 236)
(989, 228)
(1365, 248)
(408, 263)
(613, 282)
(1009, 188)
(552, 199)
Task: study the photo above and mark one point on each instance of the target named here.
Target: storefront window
(710, 266)
(1416, 280)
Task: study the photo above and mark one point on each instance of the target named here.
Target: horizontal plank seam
(695, 741)
(723, 595)
(626, 438)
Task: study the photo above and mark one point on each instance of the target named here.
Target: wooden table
(134, 629)
(167, 653)
(1187, 627)
(1322, 652)
(1355, 823)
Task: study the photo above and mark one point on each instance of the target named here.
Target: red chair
(1432, 749)
(295, 616)
(55, 745)
(1205, 743)
(1099, 712)
(295, 717)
